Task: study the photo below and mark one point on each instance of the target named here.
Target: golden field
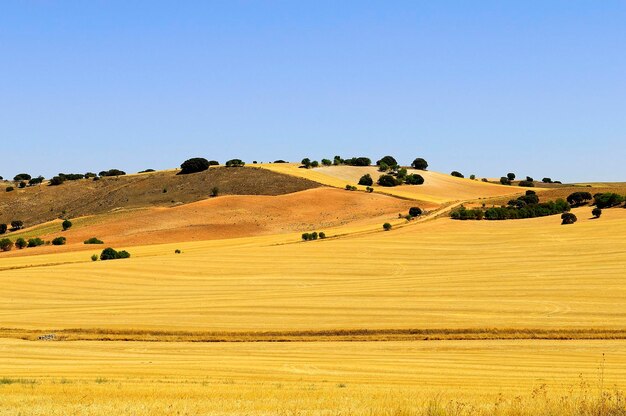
(434, 317)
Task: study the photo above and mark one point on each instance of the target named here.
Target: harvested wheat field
(225, 217)
(433, 316)
(438, 188)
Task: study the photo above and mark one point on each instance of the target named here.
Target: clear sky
(484, 87)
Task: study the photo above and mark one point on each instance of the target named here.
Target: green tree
(21, 243)
(386, 226)
(420, 164)
(366, 180)
(67, 224)
(193, 165)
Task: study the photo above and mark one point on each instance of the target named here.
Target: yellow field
(512, 279)
(438, 188)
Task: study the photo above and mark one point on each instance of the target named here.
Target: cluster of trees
(112, 254)
(607, 200)
(313, 236)
(579, 198)
(21, 243)
(399, 177)
(526, 206)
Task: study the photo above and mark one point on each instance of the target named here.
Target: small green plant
(93, 240)
(67, 224)
(35, 242)
(322, 235)
(6, 244)
(386, 226)
(112, 254)
(568, 218)
(59, 241)
(215, 191)
(369, 189)
(10, 188)
(305, 236)
(94, 257)
(177, 251)
(596, 212)
(21, 243)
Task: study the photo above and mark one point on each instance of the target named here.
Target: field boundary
(342, 335)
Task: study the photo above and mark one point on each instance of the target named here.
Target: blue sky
(487, 87)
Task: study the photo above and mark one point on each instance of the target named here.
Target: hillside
(438, 188)
(38, 204)
(223, 217)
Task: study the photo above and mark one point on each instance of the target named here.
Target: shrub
(510, 176)
(386, 226)
(415, 211)
(56, 181)
(177, 251)
(6, 244)
(463, 214)
(596, 212)
(193, 165)
(505, 181)
(17, 225)
(369, 189)
(472, 177)
(358, 161)
(326, 162)
(36, 181)
(322, 235)
(90, 175)
(387, 160)
(607, 200)
(568, 218)
(35, 242)
(280, 161)
(579, 198)
(529, 179)
(351, 188)
(337, 160)
(306, 236)
(527, 184)
(21, 185)
(213, 163)
(546, 180)
(314, 164)
(67, 224)
(306, 162)
(21, 243)
(94, 257)
(388, 180)
(59, 241)
(142, 171)
(401, 173)
(457, 174)
(112, 254)
(366, 180)
(420, 164)
(215, 191)
(93, 240)
(235, 163)
(3, 228)
(9, 188)
(313, 235)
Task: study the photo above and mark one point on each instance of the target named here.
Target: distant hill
(41, 203)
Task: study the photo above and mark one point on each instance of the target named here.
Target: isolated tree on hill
(193, 165)
(420, 164)
(457, 174)
(568, 218)
(22, 177)
(235, 163)
(67, 224)
(510, 176)
(306, 162)
(415, 211)
(505, 181)
(596, 212)
(17, 224)
(366, 180)
(386, 226)
(387, 160)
